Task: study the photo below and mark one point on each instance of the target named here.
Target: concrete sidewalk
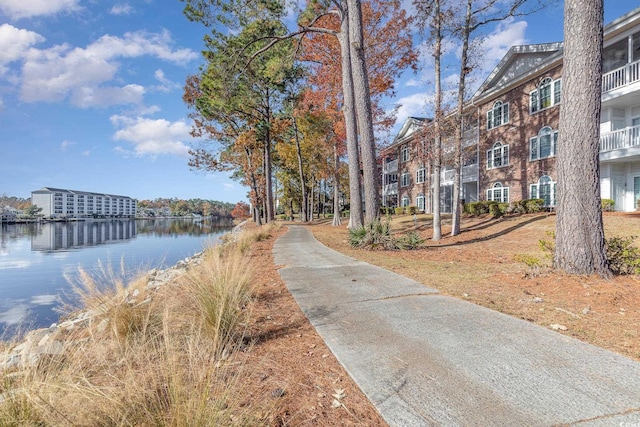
(424, 359)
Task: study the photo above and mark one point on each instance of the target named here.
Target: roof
(520, 62)
(45, 190)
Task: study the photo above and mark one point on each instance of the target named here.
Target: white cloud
(494, 46)
(14, 43)
(121, 9)
(165, 85)
(414, 105)
(17, 9)
(82, 74)
(152, 136)
(65, 145)
(101, 97)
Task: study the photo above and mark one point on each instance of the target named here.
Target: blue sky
(91, 94)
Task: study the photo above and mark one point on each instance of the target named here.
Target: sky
(91, 94)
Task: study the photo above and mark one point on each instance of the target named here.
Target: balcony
(620, 139)
(621, 77)
(469, 174)
(390, 189)
(390, 167)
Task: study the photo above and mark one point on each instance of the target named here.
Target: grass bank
(168, 355)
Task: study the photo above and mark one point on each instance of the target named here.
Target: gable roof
(410, 126)
(520, 62)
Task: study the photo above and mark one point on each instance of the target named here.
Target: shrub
(386, 210)
(608, 205)
(624, 258)
(409, 241)
(494, 210)
(399, 210)
(412, 210)
(533, 205)
(376, 235)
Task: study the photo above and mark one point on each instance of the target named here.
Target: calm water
(36, 258)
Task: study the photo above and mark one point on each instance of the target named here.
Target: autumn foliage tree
(389, 51)
(241, 211)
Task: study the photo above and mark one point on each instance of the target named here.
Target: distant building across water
(61, 203)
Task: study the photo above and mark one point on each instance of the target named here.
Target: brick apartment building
(512, 131)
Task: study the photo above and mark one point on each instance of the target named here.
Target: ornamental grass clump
(160, 355)
(220, 290)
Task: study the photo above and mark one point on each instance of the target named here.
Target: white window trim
(536, 187)
(501, 107)
(421, 175)
(536, 139)
(421, 202)
(498, 187)
(404, 153)
(504, 148)
(405, 179)
(406, 201)
(534, 109)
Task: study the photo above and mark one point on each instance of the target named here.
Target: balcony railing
(469, 174)
(390, 189)
(620, 77)
(390, 167)
(622, 138)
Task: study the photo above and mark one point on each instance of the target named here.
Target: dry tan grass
(169, 358)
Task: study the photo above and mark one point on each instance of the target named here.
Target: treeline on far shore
(179, 208)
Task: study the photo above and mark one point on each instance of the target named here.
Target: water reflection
(73, 235)
(35, 258)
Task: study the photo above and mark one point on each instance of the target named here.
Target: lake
(37, 259)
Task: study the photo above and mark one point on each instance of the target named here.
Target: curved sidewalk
(424, 359)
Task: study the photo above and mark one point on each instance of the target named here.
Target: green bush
(386, 210)
(533, 205)
(494, 209)
(376, 235)
(608, 205)
(409, 241)
(399, 210)
(412, 210)
(624, 258)
(477, 208)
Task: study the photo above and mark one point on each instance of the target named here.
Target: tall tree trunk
(303, 185)
(336, 188)
(580, 245)
(457, 160)
(363, 112)
(268, 191)
(437, 124)
(355, 198)
(254, 187)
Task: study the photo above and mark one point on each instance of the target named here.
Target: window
(421, 175)
(420, 201)
(498, 115)
(545, 189)
(546, 95)
(543, 145)
(404, 179)
(498, 156)
(405, 201)
(404, 153)
(498, 193)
